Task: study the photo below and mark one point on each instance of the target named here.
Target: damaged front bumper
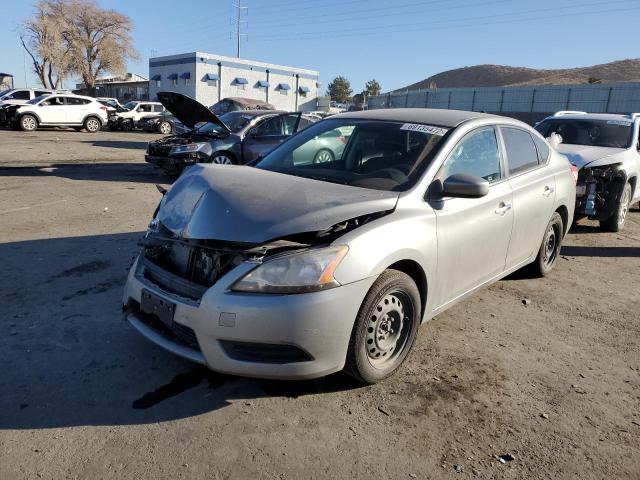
(194, 314)
(598, 191)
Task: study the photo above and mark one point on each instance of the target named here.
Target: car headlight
(307, 271)
(189, 148)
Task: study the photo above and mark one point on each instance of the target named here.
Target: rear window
(594, 133)
(522, 154)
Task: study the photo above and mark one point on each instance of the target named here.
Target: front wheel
(28, 123)
(221, 158)
(385, 328)
(323, 156)
(164, 128)
(550, 248)
(615, 223)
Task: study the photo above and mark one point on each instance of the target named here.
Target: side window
(289, 123)
(476, 154)
(273, 126)
(158, 108)
(53, 101)
(521, 151)
(19, 95)
(40, 92)
(543, 149)
(73, 101)
(144, 108)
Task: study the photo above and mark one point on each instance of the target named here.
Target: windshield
(370, 154)
(595, 133)
(130, 105)
(4, 92)
(236, 121)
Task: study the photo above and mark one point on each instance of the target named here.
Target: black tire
(165, 128)
(392, 301)
(126, 125)
(222, 158)
(615, 222)
(28, 123)
(92, 124)
(550, 248)
(323, 155)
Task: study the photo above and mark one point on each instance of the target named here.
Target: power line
(239, 23)
(419, 26)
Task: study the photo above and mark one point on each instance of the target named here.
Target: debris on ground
(526, 301)
(458, 468)
(504, 458)
(544, 415)
(383, 410)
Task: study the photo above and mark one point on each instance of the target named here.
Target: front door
(52, 110)
(473, 233)
(268, 134)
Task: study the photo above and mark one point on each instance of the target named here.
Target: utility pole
(239, 24)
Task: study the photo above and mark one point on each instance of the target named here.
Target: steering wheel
(393, 173)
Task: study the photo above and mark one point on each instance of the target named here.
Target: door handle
(548, 191)
(502, 208)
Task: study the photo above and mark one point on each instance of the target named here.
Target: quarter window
(521, 151)
(543, 149)
(476, 154)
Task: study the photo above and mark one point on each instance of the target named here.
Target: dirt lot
(555, 383)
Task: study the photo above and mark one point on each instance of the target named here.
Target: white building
(209, 78)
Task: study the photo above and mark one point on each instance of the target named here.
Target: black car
(235, 138)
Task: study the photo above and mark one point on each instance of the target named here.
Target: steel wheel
(28, 123)
(323, 156)
(388, 332)
(92, 125)
(221, 159)
(551, 245)
(165, 128)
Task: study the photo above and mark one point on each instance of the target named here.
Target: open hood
(583, 155)
(188, 110)
(250, 205)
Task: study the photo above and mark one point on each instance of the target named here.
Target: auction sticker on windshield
(416, 127)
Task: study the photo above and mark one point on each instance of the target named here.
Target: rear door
(268, 134)
(75, 110)
(533, 184)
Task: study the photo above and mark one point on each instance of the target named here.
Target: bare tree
(42, 38)
(98, 39)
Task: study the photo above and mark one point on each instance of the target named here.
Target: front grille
(159, 150)
(264, 352)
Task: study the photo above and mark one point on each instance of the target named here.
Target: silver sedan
(297, 269)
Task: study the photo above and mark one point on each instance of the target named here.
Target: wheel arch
(228, 153)
(633, 180)
(417, 274)
(93, 115)
(563, 211)
(33, 114)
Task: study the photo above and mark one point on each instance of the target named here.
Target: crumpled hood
(250, 205)
(582, 155)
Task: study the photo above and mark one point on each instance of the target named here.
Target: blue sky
(397, 42)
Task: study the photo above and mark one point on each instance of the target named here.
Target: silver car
(295, 269)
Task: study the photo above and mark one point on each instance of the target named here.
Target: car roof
(592, 116)
(434, 116)
(257, 113)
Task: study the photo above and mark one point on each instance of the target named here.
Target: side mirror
(464, 185)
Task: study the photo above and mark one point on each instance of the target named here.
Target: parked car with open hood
(233, 138)
(606, 150)
(297, 269)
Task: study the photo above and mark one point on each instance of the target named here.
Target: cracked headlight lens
(307, 271)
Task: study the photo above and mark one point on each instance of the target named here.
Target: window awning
(284, 86)
(240, 81)
(263, 83)
(304, 89)
(211, 76)
(156, 78)
(173, 76)
(186, 75)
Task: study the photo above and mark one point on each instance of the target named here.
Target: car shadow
(70, 359)
(105, 171)
(125, 144)
(580, 251)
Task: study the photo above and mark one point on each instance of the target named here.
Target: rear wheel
(385, 328)
(615, 223)
(323, 156)
(92, 124)
(164, 128)
(550, 248)
(28, 123)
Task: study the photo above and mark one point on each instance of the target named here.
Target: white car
(20, 96)
(135, 111)
(606, 150)
(60, 110)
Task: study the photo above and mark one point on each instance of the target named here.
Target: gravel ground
(554, 383)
